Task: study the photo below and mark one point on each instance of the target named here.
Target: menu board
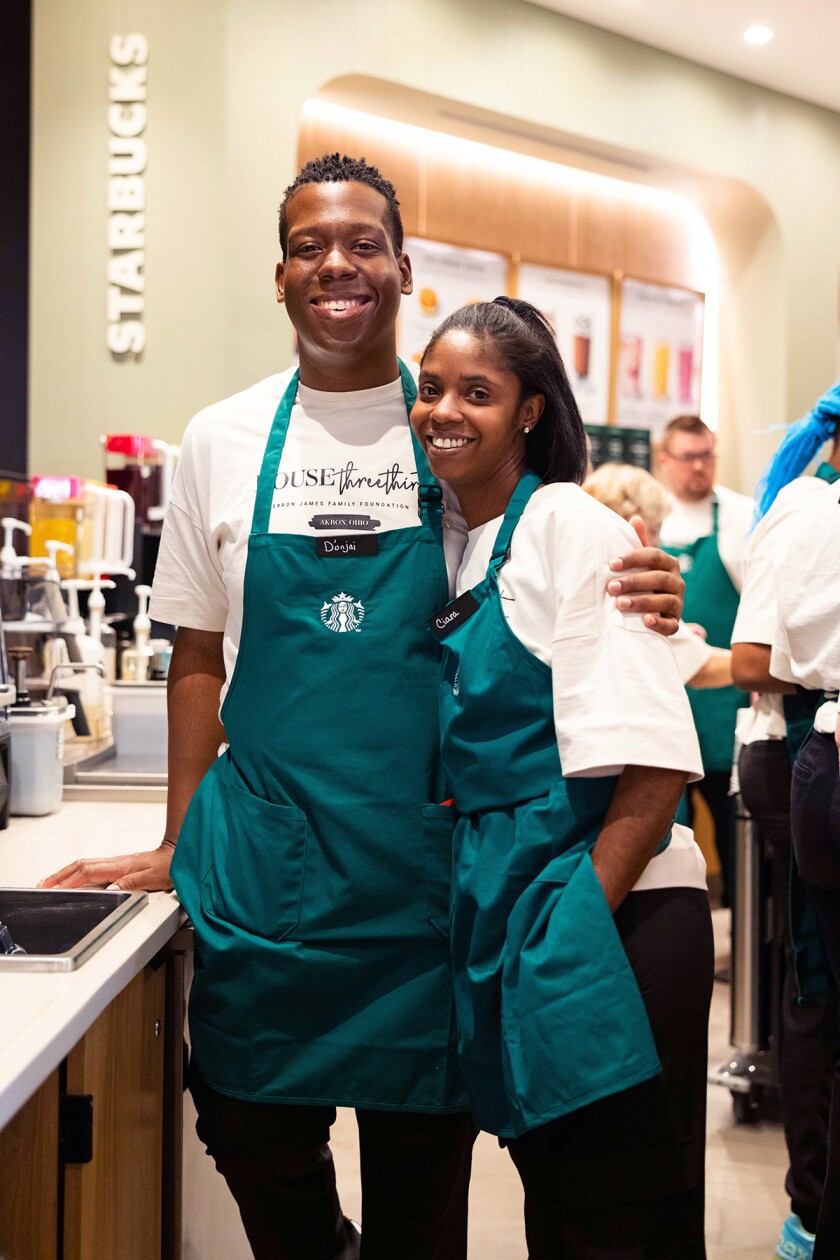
(445, 277)
(660, 355)
(578, 307)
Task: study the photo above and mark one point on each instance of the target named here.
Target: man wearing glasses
(707, 530)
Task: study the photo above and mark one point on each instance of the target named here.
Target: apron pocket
(259, 854)
(438, 829)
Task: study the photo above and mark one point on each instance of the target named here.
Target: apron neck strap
(715, 513)
(271, 457)
(827, 472)
(527, 484)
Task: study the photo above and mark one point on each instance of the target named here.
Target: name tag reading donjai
(348, 545)
(453, 615)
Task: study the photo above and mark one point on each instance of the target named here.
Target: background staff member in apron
(806, 651)
(315, 856)
(630, 492)
(707, 530)
(770, 733)
(582, 961)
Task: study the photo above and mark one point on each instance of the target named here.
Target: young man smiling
(313, 856)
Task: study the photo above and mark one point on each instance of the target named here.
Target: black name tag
(348, 545)
(453, 615)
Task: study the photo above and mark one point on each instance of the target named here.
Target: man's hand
(657, 590)
(131, 872)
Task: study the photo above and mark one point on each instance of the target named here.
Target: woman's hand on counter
(132, 872)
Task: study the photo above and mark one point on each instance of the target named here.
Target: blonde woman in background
(632, 492)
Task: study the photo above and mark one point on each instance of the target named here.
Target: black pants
(714, 788)
(815, 818)
(810, 1040)
(622, 1179)
(278, 1165)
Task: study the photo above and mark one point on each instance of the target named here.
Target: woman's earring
(527, 429)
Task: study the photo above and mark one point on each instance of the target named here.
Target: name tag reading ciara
(453, 615)
(348, 545)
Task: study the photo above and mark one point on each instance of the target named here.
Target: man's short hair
(338, 168)
(686, 424)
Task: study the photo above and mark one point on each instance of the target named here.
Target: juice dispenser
(143, 467)
(134, 463)
(57, 512)
(96, 520)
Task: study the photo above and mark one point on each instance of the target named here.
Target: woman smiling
(581, 933)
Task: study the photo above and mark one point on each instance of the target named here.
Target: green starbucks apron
(315, 858)
(711, 600)
(550, 1016)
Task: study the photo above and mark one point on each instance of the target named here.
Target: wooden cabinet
(29, 1181)
(112, 1205)
(125, 1199)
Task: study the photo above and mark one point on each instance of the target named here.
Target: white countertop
(43, 1015)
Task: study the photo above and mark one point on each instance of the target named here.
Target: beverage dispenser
(143, 467)
(57, 513)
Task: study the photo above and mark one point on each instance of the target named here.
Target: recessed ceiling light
(758, 35)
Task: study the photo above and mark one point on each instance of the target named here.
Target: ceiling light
(758, 35)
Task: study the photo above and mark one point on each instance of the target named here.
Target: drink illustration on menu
(660, 351)
(577, 306)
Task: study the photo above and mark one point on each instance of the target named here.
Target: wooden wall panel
(385, 150)
(447, 197)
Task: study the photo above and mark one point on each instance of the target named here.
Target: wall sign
(127, 115)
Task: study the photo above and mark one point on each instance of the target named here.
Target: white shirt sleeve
(806, 645)
(618, 697)
(188, 588)
(691, 652)
(757, 613)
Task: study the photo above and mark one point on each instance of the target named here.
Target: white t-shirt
(686, 522)
(348, 460)
(806, 645)
(757, 611)
(618, 696)
(691, 651)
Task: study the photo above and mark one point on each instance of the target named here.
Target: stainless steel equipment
(60, 929)
(751, 1074)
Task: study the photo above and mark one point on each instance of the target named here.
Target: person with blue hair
(770, 732)
(802, 442)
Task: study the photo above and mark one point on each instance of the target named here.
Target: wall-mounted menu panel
(445, 277)
(660, 355)
(578, 307)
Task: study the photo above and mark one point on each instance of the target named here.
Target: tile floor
(745, 1172)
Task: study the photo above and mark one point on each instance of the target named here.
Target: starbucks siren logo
(344, 613)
